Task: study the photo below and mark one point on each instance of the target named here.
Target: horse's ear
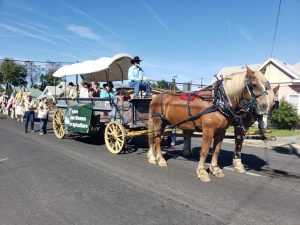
(249, 71)
(275, 89)
(263, 70)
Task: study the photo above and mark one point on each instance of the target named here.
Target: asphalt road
(44, 180)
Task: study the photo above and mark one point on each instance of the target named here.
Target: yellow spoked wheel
(114, 136)
(58, 124)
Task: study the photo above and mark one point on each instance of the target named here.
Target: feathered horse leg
(237, 161)
(214, 167)
(208, 134)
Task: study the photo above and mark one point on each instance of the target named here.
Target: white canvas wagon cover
(102, 69)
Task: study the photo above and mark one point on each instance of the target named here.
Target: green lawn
(275, 132)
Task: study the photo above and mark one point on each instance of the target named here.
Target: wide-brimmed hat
(135, 59)
(109, 83)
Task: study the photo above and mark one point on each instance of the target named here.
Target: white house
(55, 91)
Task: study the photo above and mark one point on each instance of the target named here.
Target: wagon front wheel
(58, 124)
(114, 136)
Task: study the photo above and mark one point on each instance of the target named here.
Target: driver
(137, 78)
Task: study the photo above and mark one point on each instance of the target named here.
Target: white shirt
(84, 93)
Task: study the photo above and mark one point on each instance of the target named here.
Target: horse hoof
(162, 163)
(216, 171)
(238, 166)
(239, 169)
(152, 161)
(203, 175)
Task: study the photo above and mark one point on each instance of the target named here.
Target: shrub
(286, 116)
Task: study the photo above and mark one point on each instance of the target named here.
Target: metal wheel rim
(58, 124)
(114, 137)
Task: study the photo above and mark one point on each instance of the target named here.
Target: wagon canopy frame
(100, 70)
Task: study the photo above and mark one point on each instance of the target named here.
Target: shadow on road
(250, 161)
(288, 150)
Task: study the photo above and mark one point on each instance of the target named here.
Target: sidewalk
(288, 143)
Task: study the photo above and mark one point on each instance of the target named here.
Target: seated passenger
(95, 90)
(137, 78)
(107, 92)
(85, 90)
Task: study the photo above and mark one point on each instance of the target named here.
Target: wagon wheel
(114, 136)
(58, 124)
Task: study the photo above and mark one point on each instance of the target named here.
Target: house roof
(292, 71)
(50, 91)
(35, 92)
(236, 69)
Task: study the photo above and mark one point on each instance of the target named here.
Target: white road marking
(249, 173)
(1, 160)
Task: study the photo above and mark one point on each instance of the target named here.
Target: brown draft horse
(172, 110)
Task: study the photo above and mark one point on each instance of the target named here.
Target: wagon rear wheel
(114, 137)
(58, 124)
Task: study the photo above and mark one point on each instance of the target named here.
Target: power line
(277, 19)
(34, 61)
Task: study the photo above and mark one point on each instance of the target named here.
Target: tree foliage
(163, 84)
(12, 73)
(285, 117)
(47, 78)
(34, 72)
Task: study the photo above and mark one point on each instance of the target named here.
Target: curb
(269, 146)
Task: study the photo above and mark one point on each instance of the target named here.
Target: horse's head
(258, 91)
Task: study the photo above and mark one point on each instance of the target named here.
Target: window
(294, 100)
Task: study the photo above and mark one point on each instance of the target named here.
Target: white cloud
(82, 31)
(245, 35)
(37, 29)
(82, 13)
(70, 56)
(25, 33)
(156, 17)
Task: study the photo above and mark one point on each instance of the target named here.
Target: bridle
(250, 105)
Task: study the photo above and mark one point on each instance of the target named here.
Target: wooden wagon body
(121, 119)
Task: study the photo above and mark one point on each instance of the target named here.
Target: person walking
(29, 113)
(137, 78)
(43, 115)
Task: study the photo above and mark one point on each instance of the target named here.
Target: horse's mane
(235, 83)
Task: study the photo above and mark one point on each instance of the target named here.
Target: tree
(12, 73)
(163, 84)
(285, 116)
(34, 72)
(47, 79)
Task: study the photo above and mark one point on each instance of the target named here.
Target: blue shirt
(105, 94)
(136, 73)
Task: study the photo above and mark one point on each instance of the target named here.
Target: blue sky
(187, 38)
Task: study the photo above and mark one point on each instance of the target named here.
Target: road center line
(1, 160)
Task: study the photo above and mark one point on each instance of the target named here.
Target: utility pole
(201, 85)
(174, 83)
